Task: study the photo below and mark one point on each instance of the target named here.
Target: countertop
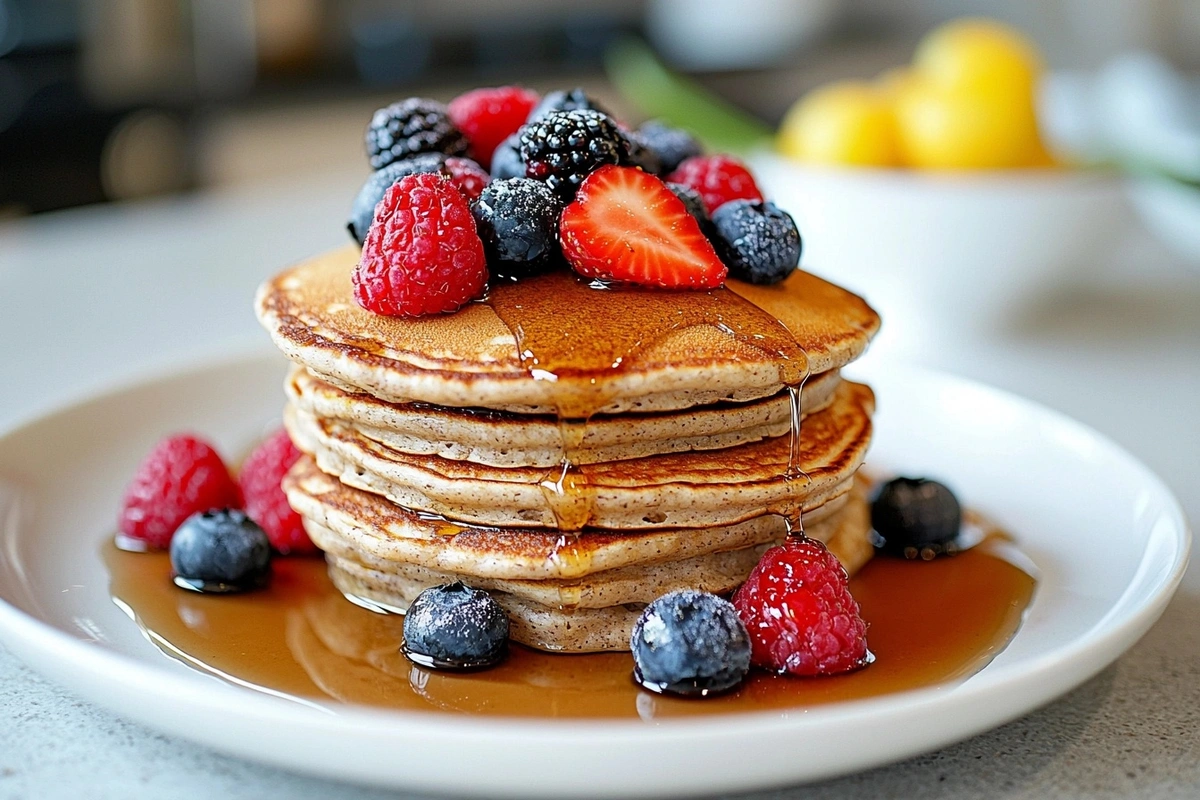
(99, 296)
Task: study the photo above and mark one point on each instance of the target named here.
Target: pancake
(501, 439)
(589, 629)
(696, 489)
(351, 520)
(471, 358)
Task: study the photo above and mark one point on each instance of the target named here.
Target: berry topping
(626, 225)
(220, 552)
(506, 161)
(489, 116)
(573, 100)
(517, 220)
(363, 210)
(422, 255)
(467, 176)
(671, 145)
(916, 518)
(455, 627)
(760, 243)
(564, 147)
(694, 205)
(690, 643)
(179, 477)
(265, 502)
(718, 179)
(412, 126)
(639, 155)
(798, 609)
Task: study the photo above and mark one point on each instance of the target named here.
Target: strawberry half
(626, 225)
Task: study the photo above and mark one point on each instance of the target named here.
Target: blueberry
(455, 627)
(362, 213)
(220, 551)
(517, 219)
(695, 206)
(690, 643)
(758, 242)
(572, 100)
(916, 518)
(641, 155)
(671, 145)
(506, 160)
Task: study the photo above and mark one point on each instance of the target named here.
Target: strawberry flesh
(626, 225)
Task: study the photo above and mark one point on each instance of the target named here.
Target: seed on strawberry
(718, 179)
(422, 254)
(626, 225)
(800, 614)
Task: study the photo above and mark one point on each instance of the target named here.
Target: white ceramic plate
(1110, 542)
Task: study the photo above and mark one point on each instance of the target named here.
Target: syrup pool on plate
(930, 623)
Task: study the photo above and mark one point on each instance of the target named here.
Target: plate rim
(41, 644)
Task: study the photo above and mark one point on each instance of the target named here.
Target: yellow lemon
(847, 123)
(944, 127)
(981, 55)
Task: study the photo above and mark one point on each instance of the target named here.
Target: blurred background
(107, 100)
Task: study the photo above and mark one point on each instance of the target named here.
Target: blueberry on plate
(916, 518)
(220, 552)
(639, 154)
(517, 220)
(455, 627)
(362, 213)
(695, 206)
(758, 242)
(561, 100)
(690, 643)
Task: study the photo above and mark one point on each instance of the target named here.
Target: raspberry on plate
(626, 225)
(467, 176)
(181, 476)
(718, 179)
(489, 116)
(266, 504)
(800, 614)
(421, 255)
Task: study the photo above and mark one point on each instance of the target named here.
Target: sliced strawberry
(626, 225)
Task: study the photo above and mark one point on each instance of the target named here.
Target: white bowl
(947, 255)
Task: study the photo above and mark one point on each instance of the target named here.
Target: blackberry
(572, 100)
(671, 145)
(691, 643)
(758, 242)
(695, 206)
(506, 159)
(220, 552)
(362, 213)
(640, 155)
(455, 627)
(916, 518)
(517, 219)
(565, 147)
(412, 126)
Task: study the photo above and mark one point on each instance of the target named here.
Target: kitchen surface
(148, 263)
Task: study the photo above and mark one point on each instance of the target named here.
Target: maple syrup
(565, 338)
(930, 623)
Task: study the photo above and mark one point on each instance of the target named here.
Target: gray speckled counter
(1134, 731)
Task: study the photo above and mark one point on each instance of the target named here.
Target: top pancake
(471, 359)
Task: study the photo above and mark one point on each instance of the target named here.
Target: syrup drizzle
(572, 333)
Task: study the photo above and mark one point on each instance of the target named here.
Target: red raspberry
(798, 609)
(489, 116)
(467, 176)
(266, 504)
(421, 254)
(718, 179)
(179, 477)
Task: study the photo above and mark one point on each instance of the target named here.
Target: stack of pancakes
(438, 449)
